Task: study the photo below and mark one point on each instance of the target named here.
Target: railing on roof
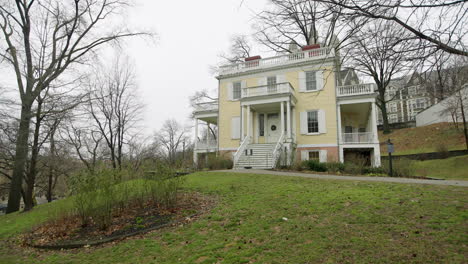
(356, 89)
(307, 55)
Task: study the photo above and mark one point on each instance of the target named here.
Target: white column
(338, 115)
(282, 117)
(242, 122)
(207, 133)
(288, 118)
(196, 132)
(294, 120)
(248, 121)
(374, 123)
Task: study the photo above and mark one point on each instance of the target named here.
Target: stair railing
(241, 149)
(277, 150)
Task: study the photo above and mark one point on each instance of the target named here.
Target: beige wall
(324, 100)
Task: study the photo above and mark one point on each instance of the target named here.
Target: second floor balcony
(356, 138)
(356, 89)
(206, 107)
(270, 89)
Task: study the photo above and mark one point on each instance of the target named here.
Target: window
(236, 90)
(312, 122)
(261, 125)
(392, 107)
(314, 155)
(393, 118)
(419, 103)
(412, 90)
(311, 81)
(271, 84)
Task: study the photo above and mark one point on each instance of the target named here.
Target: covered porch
(206, 129)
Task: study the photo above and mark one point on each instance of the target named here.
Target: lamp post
(390, 150)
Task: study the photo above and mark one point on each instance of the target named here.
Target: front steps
(256, 156)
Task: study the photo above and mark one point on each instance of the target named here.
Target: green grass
(451, 168)
(423, 139)
(328, 222)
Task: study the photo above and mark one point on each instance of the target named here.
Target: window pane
(311, 82)
(312, 122)
(261, 125)
(271, 83)
(314, 155)
(236, 90)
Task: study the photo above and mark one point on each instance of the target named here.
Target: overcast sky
(190, 36)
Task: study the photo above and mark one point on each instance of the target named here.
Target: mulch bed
(68, 232)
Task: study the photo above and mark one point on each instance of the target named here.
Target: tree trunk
(51, 164)
(21, 155)
(465, 130)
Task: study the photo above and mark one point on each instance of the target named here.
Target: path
(353, 178)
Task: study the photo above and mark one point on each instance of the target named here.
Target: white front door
(273, 128)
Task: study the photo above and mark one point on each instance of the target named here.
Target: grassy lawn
(455, 168)
(423, 139)
(328, 222)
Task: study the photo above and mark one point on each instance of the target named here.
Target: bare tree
(299, 22)
(378, 51)
(438, 24)
(239, 50)
(171, 137)
(41, 40)
(115, 107)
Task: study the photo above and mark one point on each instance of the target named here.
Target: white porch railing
(241, 149)
(204, 144)
(357, 89)
(278, 88)
(208, 106)
(361, 137)
(277, 150)
(313, 54)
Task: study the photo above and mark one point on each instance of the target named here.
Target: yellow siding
(324, 99)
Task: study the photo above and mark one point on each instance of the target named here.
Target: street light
(390, 150)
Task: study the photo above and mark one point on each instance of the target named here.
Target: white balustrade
(357, 89)
(278, 88)
(208, 106)
(361, 137)
(313, 54)
(203, 144)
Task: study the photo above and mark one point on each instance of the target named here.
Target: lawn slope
(327, 222)
(455, 168)
(423, 139)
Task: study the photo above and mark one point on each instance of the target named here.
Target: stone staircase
(256, 156)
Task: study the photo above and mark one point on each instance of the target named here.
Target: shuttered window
(311, 81)
(236, 90)
(312, 122)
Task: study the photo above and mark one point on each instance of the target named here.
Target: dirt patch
(67, 232)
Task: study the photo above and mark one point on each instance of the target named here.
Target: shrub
(374, 170)
(297, 166)
(315, 165)
(353, 168)
(219, 162)
(335, 167)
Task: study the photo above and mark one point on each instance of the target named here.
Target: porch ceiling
(358, 112)
(265, 108)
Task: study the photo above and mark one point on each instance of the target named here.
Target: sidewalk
(354, 178)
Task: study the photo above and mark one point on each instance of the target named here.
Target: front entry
(273, 128)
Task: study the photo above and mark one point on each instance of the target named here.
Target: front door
(273, 128)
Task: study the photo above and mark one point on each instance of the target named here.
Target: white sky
(190, 36)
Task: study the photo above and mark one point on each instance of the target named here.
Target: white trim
(228, 149)
(316, 145)
(344, 101)
(266, 101)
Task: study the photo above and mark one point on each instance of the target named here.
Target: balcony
(356, 138)
(287, 59)
(207, 107)
(357, 89)
(207, 145)
(272, 89)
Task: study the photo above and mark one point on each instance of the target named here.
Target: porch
(357, 130)
(206, 128)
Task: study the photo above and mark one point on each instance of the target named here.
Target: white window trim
(322, 153)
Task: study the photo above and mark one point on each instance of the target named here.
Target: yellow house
(287, 108)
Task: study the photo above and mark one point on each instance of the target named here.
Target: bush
(219, 163)
(297, 166)
(374, 170)
(314, 165)
(353, 168)
(335, 167)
